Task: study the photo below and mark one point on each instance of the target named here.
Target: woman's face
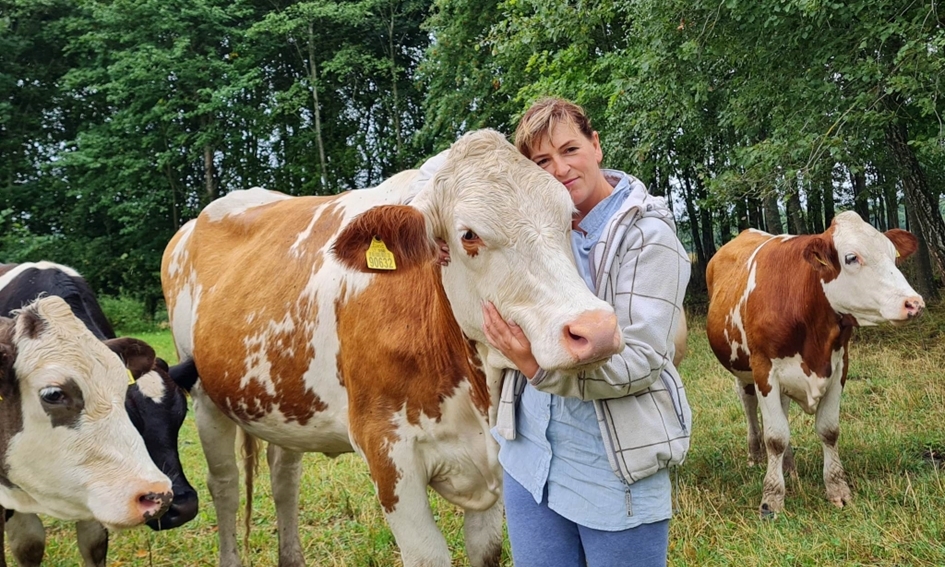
(574, 160)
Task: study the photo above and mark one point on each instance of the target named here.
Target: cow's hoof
(838, 502)
(766, 512)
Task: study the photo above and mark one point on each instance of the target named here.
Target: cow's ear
(905, 242)
(399, 230)
(822, 255)
(137, 355)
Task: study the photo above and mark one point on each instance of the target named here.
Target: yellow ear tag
(379, 257)
(821, 260)
(898, 254)
(131, 377)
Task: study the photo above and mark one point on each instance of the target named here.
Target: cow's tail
(250, 448)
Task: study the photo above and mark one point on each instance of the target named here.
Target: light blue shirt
(558, 444)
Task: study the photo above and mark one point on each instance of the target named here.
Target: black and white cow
(66, 449)
(155, 404)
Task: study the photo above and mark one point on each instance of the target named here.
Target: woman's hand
(509, 339)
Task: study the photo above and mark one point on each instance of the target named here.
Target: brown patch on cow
(749, 389)
(822, 255)
(30, 323)
(137, 355)
(238, 309)
(402, 229)
(905, 242)
(774, 445)
(402, 350)
(830, 437)
(11, 410)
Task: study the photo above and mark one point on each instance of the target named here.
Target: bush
(127, 315)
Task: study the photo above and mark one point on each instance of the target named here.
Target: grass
(892, 432)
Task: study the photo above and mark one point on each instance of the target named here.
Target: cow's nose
(593, 336)
(913, 306)
(182, 510)
(152, 504)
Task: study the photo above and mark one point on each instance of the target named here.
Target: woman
(586, 456)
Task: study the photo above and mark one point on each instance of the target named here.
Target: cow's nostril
(154, 504)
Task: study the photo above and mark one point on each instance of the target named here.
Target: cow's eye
(851, 259)
(52, 395)
(469, 236)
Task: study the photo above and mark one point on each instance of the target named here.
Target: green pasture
(892, 435)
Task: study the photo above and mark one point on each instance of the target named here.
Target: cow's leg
(93, 542)
(756, 450)
(788, 463)
(218, 437)
(827, 423)
(400, 480)
(777, 437)
(285, 472)
(483, 533)
(27, 538)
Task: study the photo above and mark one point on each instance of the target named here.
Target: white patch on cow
(152, 386)
(452, 451)
(257, 365)
(238, 202)
(806, 390)
(180, 256)
(8, 277)
(870, 288)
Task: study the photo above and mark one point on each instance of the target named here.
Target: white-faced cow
(781, 313)
(67, 448)
(156, 406)
(300, 342)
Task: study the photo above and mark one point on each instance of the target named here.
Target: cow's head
(506, 222)
(157, 408)
(67, 447)
(857, 267)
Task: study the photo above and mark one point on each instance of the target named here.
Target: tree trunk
(209, 180)
(829, 205)
(772, 215)
(395, 100)
(795, 216)
(919, 195)
(694, 232)
(697, 278)
(891, 201)
(861, 198)
(815, 213)
(756, 218)
(705, 220)
(918, 268)
(316, 110)
(741, 214)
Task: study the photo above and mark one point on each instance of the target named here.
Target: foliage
(130, 316)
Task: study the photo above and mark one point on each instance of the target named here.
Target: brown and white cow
(781, 313)
(67, 447)
(300, 343)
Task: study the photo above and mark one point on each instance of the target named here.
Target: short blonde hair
(543, 115)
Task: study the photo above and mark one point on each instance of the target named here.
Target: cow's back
(727, 281)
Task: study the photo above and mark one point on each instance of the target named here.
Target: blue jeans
(540, 537)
